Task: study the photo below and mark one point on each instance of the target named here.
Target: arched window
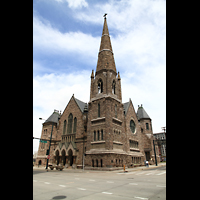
(64, 127)
(96, 163)
(94, 135)
(75, 124)
(70, 121)
(98, 135)
(113, 87)
(132, 126)
(100, 86)
(101, 134)
(98, 109)
(115, 110)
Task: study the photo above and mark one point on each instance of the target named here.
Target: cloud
(47, 38)
(51, 91)
(75, 3)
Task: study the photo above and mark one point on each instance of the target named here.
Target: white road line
(106, 193)
(140, 198)
(149, 173)
(34, 180)
(160, 185)
(133, 184)
(161, 173)
(46, 182)
(62, 185)
(131, 172)
(91, 180)
(81, 189)
(140, 173)
(77, 178)
(110, 182)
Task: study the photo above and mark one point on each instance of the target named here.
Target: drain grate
(60, 197)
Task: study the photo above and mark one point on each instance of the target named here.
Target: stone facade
(103, 133)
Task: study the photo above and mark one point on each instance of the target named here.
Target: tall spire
(105, 57)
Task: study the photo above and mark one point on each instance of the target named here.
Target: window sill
(98, 142)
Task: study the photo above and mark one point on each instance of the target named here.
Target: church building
(103, 133)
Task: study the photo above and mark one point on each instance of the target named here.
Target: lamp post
(48, 152)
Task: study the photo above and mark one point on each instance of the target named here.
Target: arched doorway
(57, 157)
(40, 162)
(101, 163)
(63, 157)
(70, 154)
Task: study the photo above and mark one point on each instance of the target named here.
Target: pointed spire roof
(141, 113)
(54, 117)
(105, 57)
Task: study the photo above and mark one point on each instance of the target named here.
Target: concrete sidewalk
(113, 171)
(141, 168)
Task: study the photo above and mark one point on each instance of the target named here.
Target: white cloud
(52, 91)
(52, 41)
(75, 3)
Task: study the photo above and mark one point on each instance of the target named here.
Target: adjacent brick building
(103, 133)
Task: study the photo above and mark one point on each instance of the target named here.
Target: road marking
(149, 173)
(140, 173)
(161, 173)
(131, 173)
(46, 182)
(81, 189)
(62, 185)
(91, 180)
(160, 185)
(77, 178)
(133, 183)
(106, 193)
(34, 180)
(110, 182)
(140, 198)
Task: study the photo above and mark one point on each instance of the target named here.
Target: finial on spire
(105, 15)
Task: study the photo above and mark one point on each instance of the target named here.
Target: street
(89, 185)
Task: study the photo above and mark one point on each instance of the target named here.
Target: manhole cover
(60, 197)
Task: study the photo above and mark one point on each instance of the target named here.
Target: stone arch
(100, 86)
(70, 157)
(57, 157)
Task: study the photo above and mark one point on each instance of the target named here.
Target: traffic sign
(48, 156)
(43, 141)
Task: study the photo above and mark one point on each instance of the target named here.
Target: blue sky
(66, 41)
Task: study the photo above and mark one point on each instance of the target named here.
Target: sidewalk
(117, 170)
(141, 168)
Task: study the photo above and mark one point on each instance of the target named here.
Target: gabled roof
(126, 106)
(81, 105)
(53, 118)
(141, 113)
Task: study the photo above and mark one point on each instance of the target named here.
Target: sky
(66, 41)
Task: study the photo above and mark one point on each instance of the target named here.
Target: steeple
(105, 57)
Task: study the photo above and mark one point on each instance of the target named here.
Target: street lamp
(48, 152)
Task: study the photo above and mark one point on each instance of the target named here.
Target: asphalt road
(89, 185)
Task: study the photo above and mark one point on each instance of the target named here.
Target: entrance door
(57, 157)
(147, 154)
(70, 154)
(63, 157)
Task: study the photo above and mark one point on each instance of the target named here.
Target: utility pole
(49, 147)
(155, 153)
